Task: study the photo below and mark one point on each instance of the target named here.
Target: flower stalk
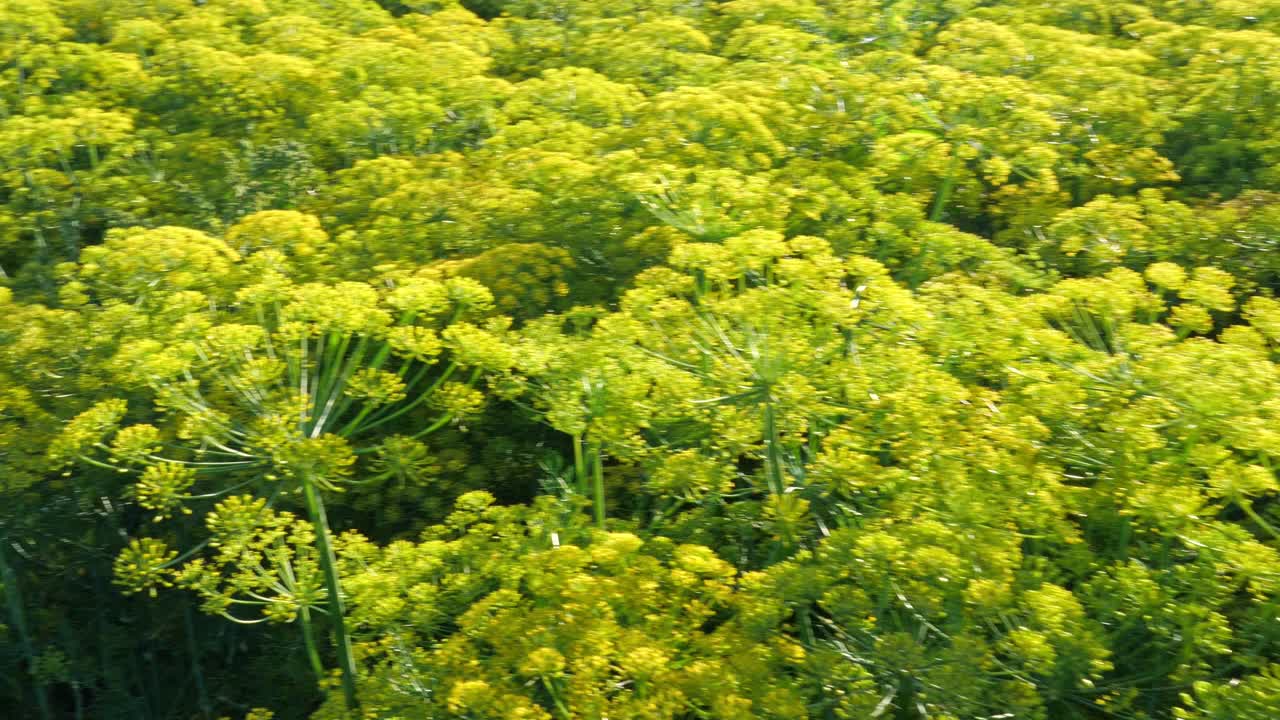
(328, 565)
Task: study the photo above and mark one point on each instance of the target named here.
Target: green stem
(944, 193)
(1246, 505)
(353, 365)
(598, 489)
(17, 615)
(96, 463)
(328, 564)
(350, 427)
(806, 626)
(555, 698)
(439, 423)
(773, 451)
(335, 404)
(309, 640)
(579, 465)
(448, 371)
(202, 692)
(335, 351)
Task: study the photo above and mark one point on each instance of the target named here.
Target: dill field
(639, 360)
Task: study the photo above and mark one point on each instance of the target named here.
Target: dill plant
(274, 396)
(893, 360)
